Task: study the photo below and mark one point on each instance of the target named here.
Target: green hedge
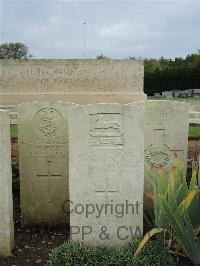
(74, 254)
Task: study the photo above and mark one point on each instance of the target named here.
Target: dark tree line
(15, 50)
(166, 74)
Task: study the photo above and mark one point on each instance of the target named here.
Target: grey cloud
(117, 29)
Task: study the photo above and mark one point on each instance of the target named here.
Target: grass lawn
(14, 132)
(176, 99)
(194, 131)
(187, 99)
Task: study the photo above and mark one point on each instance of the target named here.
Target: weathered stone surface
(79, 81)
(6, 202)
(195, 105)
(106, 168)
(43, 162)
(194, 118)
(166, 134)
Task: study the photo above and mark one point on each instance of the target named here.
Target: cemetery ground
(48, 130)
(33, 244)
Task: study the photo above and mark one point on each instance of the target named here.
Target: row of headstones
(86, 163)
(194, 118)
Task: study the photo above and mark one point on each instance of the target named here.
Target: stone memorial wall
(78, 81)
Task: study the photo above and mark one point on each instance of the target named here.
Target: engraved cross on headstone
(107, 188)
(159, 138)
(107, 192)
(50, 178)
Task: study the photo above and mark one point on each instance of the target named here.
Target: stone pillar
(6, 202)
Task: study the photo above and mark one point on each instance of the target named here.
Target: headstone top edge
(134, 104)
(108, 106)
(43, 102)
(167, 102)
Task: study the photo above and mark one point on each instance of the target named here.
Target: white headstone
(194, 118)
(43, 161)
(195, 106)
(106, 169)
(166, 134)
(6, 202)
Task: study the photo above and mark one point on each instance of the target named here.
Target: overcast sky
(117, 29)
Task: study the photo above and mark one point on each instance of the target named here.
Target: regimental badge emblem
(48, 122)
(157, 156)
(107, 130)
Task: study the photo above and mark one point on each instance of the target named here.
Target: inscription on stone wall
(74, 76)
(107, 130)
